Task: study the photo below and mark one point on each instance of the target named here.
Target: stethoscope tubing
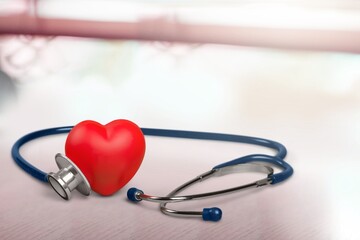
(42, 176)
(249, 162)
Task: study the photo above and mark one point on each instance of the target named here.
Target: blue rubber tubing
(42, 176)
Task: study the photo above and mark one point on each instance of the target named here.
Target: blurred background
(278, 60)
(284, 70)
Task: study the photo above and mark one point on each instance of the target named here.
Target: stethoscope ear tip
(212, 214)
(133, 194)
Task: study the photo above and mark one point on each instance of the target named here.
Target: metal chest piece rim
(68, 178)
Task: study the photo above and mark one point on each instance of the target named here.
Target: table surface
(317, 119)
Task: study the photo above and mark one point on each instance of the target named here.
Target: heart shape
(108, 156)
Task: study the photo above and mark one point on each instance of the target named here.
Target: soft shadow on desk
(50, 194)
(121, 195)
(213, 201)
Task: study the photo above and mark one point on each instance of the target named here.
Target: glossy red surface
(109, 156)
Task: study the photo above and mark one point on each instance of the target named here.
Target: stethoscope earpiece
(133, 194)
(212, 214)
(68, 178)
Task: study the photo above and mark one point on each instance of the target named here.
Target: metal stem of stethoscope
(210, 214)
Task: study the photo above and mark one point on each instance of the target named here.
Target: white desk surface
(318, 119)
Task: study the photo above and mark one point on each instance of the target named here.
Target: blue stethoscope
(70, 177)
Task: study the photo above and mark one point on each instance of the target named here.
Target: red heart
(109, 156)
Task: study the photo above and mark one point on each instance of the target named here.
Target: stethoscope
(70, 177)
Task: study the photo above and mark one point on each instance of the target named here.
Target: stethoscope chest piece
(68, 178)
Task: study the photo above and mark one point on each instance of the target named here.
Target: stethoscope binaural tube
(250, 163)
